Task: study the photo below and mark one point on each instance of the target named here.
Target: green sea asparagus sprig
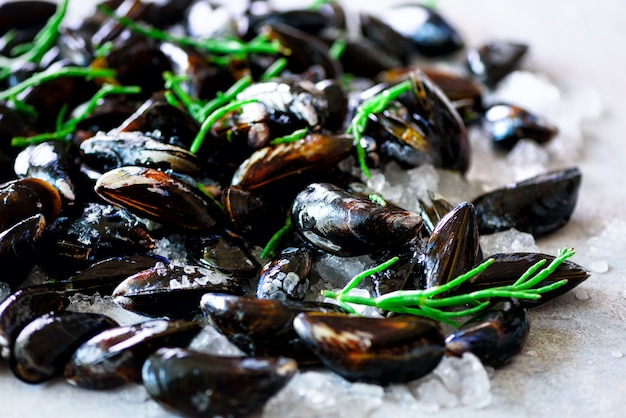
(65, 129)
(43, 41)
(429, 302)
(224, 46)
(374, 104)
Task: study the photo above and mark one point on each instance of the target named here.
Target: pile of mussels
(224, 127)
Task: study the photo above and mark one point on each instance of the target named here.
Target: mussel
(201, 385)
(346, 224)
(374, 350)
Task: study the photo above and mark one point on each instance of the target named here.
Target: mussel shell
(507, 124)
(109, 151)
(44, 346)
(201, 385)
(103, 276)
(100, 232)
(171, 290)
(22, 307)
(174, 125)
(225, 252)
(452, 249)
(26, 197)
(262, 327)
(115, 356)
(254, 215)
(494, 335)
(430, 34)
(305, 50)
(18, 247)
(509, 267)
(491, 62)
(313, 153)
(346, 224)
(48, 161)
(538, 205)
(286, 275)
(373, 350)
(158, 196)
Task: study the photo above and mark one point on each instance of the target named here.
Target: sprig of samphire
(427, 302)
(374, 104)
(34, 51)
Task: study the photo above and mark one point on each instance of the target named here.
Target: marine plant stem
(212, 118)
(225, 46)
(428, 303)
(292, 137)
(374, 104)
(64, 129)
(43, 41)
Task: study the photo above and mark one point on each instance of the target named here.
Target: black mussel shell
(109, 151)
(262, 327)
(347, 224)
(423, 127)
(18, 248)
(430, 34)
(22, 307)
(156, 195)
(494, 335)
(171, 290)
(452, 249)
(48, 161)
(373, 350)
(506, 124)
(286, 276)
(305, 50)
(493, 61)
(225, 252)
(27, 197)
(46, 344)
(508, 267)
(314, 153)
(115, 356)
(538, 205)
(201, 385)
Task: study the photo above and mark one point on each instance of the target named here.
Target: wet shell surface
(373, 350)
(201, 385)
(156, 195)
(114, 357)
(346, 224)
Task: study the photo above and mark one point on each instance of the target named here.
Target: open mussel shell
(156, 195)
(23, 306)
(115, 356)
(452, 248)
(509, 267)
(201, 385)
(286, 276)
(347, 224)
(373, 350)
(225, 252)
(538, 205)
(262, 327)
(494, 335)
(423, 127)
(318, 153)
(171, 290)
(46, 344)
(118, 149)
